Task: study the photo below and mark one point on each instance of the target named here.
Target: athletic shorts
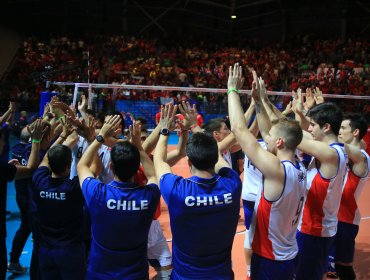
(345, 242)
(313, 256)
(248, 207)
(266, 269)
(158, 252)
(62, 263)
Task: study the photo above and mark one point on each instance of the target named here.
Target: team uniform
(7, 174)
(319, 221)
(104, 154)
(274, 226)
(349, 216)
(121, 214)
(204, 214)
(251, 186)
(22, 197)
(59, 217)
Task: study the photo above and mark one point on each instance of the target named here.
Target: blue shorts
(248, 207)
(65, 263)
(345, 242)
(313, 256)
(266, 269)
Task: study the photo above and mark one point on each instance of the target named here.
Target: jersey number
(79, 152)
(298, 212)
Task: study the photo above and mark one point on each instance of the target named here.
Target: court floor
(362, 255)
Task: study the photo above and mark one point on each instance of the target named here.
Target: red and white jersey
(252, 181)
(323, 198)
(274, 223)
(353, 186)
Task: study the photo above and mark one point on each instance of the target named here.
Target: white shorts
(158, 251)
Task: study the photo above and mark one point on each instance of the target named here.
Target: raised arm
(259, 95)
(84, 166)
(160, 155)
(36, 131)
(266, 162)
(146, 162)
(4, 118)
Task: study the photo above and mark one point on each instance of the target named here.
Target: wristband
(232, 90)
(36, 141)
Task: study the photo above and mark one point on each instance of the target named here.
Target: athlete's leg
(159, 255)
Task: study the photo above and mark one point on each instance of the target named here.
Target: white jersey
(323, 199)
(80, 148)
(252, 181)
(227, 157)
(274, 223)
(352, 188)
(77, 152)
(107, 174)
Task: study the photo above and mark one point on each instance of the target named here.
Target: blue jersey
(121, 214)
(59, 204)
(204, 214)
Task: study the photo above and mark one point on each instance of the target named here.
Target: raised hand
(310, 101)
(82, 105)
(12, 106)
(37, 130)
(135, 135)
(168, 113)
(288, 108)
(255, 91)
(190, 115)
(111, 125)
(235, 81)
(299, 105)
(262, 90)
(318, 96)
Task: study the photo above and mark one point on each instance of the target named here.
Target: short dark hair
(357, 121)
(125, 159)
(328, 113)
(60, 157)
(142, 120)
(213, 125)
(202, 151)
(290, 131)
(90, 112)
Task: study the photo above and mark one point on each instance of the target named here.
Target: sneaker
(16, 268)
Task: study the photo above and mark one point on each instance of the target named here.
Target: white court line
(365, 218)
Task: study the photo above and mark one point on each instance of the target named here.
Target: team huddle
(94, 194)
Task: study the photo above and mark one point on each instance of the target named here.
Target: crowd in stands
(336, 67)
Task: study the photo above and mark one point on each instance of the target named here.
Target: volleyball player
(121, 212)
(352, 130)
(59, 215)
(278, 204)
(325, 175)
(204, 209)
(13, 170)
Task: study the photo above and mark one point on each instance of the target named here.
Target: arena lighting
(233, 17)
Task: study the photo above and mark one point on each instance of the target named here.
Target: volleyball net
(148, 108)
